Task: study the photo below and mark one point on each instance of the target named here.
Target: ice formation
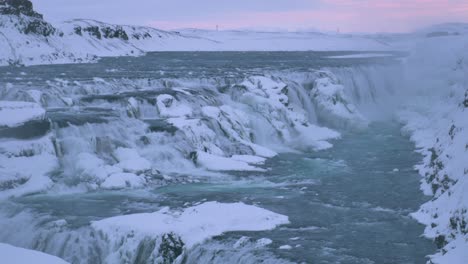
(181, 230)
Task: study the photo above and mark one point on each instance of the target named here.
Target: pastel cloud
(347, 15)
(398, 15)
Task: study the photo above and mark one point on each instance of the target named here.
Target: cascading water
(118, 146)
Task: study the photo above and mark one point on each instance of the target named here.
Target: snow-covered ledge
(16, 255)
(169, 232)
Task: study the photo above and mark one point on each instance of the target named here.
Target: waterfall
(120, 134)
(375, 90)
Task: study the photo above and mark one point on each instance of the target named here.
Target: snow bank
(11, 254)
(437, 120)
(457, 252)
(131, 161)
(25, 166)
(17, 113)
(123, 180)
(249, 159)
(182, 229)
(360, 55)
(217, 163)
(194, 224)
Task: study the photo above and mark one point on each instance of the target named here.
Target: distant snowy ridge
(446, 29)
(122, 40)
(27, 39)
(248, 40)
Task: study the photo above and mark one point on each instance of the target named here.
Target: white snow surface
(79, 41)
(17, 113)
(123, 180)
(246, 40)
(131, 161)
(437, 120)
(360, 55)
(193, 225)
(26, 164)
(16, 255)
(218, 163)
(82, 40)
(251, 159)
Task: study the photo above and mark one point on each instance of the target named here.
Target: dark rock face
(465, 102)
(29, 21)
(118, 32)
(106, 32)
(17, 7)
(93, 31)
(39, 27)
(142, 35)
(171, 247)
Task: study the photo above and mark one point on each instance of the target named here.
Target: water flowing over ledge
(101, 134)
(113, 134)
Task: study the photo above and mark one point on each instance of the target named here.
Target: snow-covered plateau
(174, 158)
(27, 39)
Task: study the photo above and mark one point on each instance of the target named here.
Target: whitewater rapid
(103, 137)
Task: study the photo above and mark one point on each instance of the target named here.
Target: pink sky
(330, 15)
(345, 15)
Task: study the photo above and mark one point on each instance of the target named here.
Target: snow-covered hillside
(437, 120)
(246, 40)
(27, 39)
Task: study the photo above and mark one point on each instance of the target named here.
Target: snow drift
(180, 231)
